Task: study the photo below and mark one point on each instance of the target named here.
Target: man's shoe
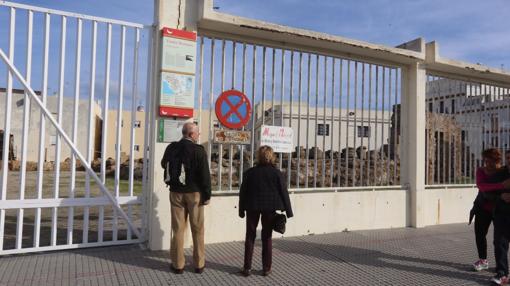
(245, 272)
(499, 279)
(177, 271)
(199, 270)
(266, 272)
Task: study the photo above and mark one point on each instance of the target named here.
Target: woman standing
(486, 181)
(263, 191)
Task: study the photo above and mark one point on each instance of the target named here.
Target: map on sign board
(277, 137)
(232, 137)
(177, 90)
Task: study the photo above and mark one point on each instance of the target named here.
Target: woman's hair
(265, 156)
(492, 153)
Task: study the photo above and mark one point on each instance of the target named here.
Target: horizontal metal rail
(70, 14)
(71, 202)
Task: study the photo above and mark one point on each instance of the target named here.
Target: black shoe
(266, 272)
(199, 270)
(245, 272)
(177, 271)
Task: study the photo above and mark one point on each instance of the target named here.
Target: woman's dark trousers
(252, 220)
(483, 221)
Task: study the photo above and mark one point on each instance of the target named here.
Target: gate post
(183, 15)
(413, 142)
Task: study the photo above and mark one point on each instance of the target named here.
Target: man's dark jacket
(198, 178)
(264, 189)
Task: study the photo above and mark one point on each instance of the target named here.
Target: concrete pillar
(413, 142)
(177, 14)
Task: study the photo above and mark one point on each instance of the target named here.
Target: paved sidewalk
(439, 255)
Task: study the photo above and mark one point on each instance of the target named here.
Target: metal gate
(72, 107)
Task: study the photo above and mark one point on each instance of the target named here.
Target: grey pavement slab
(438, 255)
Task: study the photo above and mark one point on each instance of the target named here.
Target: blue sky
(468, 30)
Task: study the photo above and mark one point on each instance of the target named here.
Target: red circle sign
(233, 109)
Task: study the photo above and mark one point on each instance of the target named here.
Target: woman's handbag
(279, 223)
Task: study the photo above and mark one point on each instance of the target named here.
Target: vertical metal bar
(90, 124)
(26, 118)
(315, 168)
(134, 99)
(396, 114)
(42, 132)
(347, 124)
(383, 121)
(273, 91)
(354, 168)
(369, 179)
(211, 103)
(105, 126)
(243, 89)
(325, 91)
(70, 211)
(119, 128)
(446, 153)
(437, 93)
(291, 109)
(376, 125)
(200, 89)
(308, 119)
(230, 146)
(388, 171)
(147, 137)
(332, 124)
(282, 85)
(220, 152)
(253, 123)
(263, 109)
(58, 146)
(340, 93)
(7, 127)
(298, 168)
(362, 139)
(427, 129)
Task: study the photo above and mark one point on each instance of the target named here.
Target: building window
(364, 131)
(323, 129)
(430, 107)
(453, 106)
(136, 148)
(138, 124)
(441, 107)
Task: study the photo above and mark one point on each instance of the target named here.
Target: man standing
(187, 173)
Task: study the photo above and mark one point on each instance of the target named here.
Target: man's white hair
(188, 128)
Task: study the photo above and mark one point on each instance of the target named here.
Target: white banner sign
(277, 137)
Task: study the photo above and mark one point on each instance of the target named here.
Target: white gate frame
(4, 204)
(55, 202)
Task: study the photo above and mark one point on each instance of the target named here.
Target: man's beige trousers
(182, 206)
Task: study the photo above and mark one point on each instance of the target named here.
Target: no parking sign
(233, 109)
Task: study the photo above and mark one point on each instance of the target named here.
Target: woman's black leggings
(483, 221)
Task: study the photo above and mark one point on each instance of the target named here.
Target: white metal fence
(345, 113)
(88, 73)
(464, 117)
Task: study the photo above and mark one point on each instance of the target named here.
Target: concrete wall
(314, 213)
(326, 212)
